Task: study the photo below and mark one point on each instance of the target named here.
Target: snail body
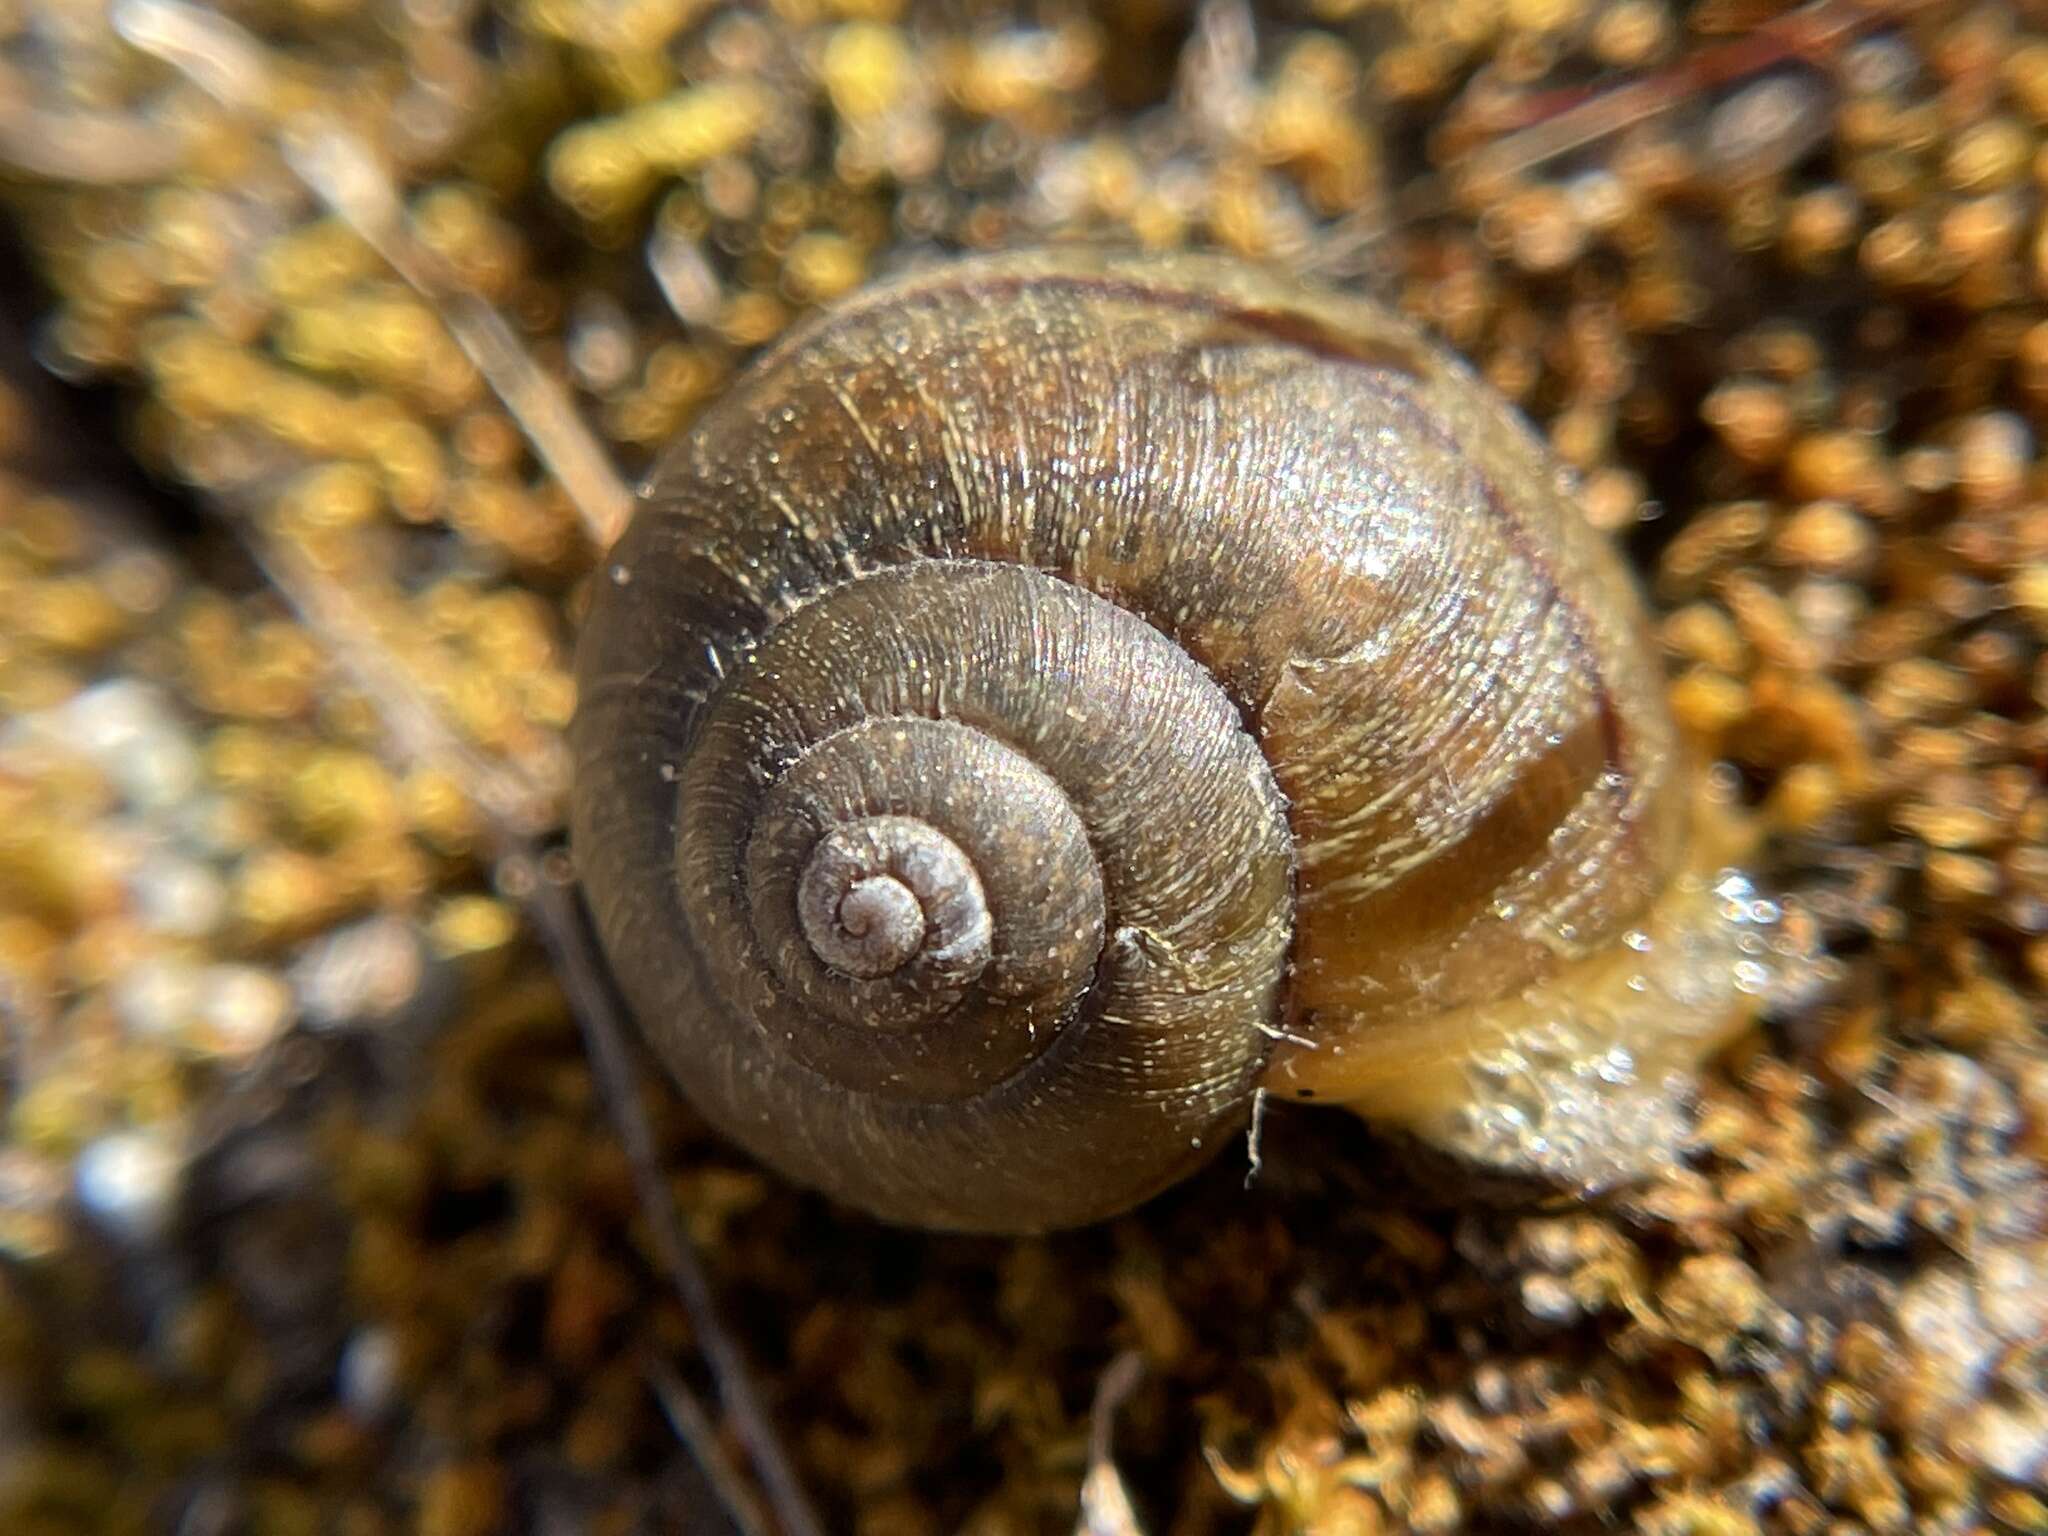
(1050, 698)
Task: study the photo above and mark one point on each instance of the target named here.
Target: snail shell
(1049, 698)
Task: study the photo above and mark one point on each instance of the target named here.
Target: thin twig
(1529, 131)
(559, 918)
(513, 803)
(694, 1428)
(551, 905)
(1550, 124)
(341, 170)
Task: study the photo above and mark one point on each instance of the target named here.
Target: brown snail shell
(1050, 697)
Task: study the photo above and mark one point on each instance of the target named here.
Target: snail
(1054, 698)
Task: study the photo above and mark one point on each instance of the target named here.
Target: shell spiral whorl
(880, 892)
(986, 764)
(1042, 684)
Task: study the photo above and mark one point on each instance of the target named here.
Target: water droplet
(1617, 1066)
(1737, 895)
